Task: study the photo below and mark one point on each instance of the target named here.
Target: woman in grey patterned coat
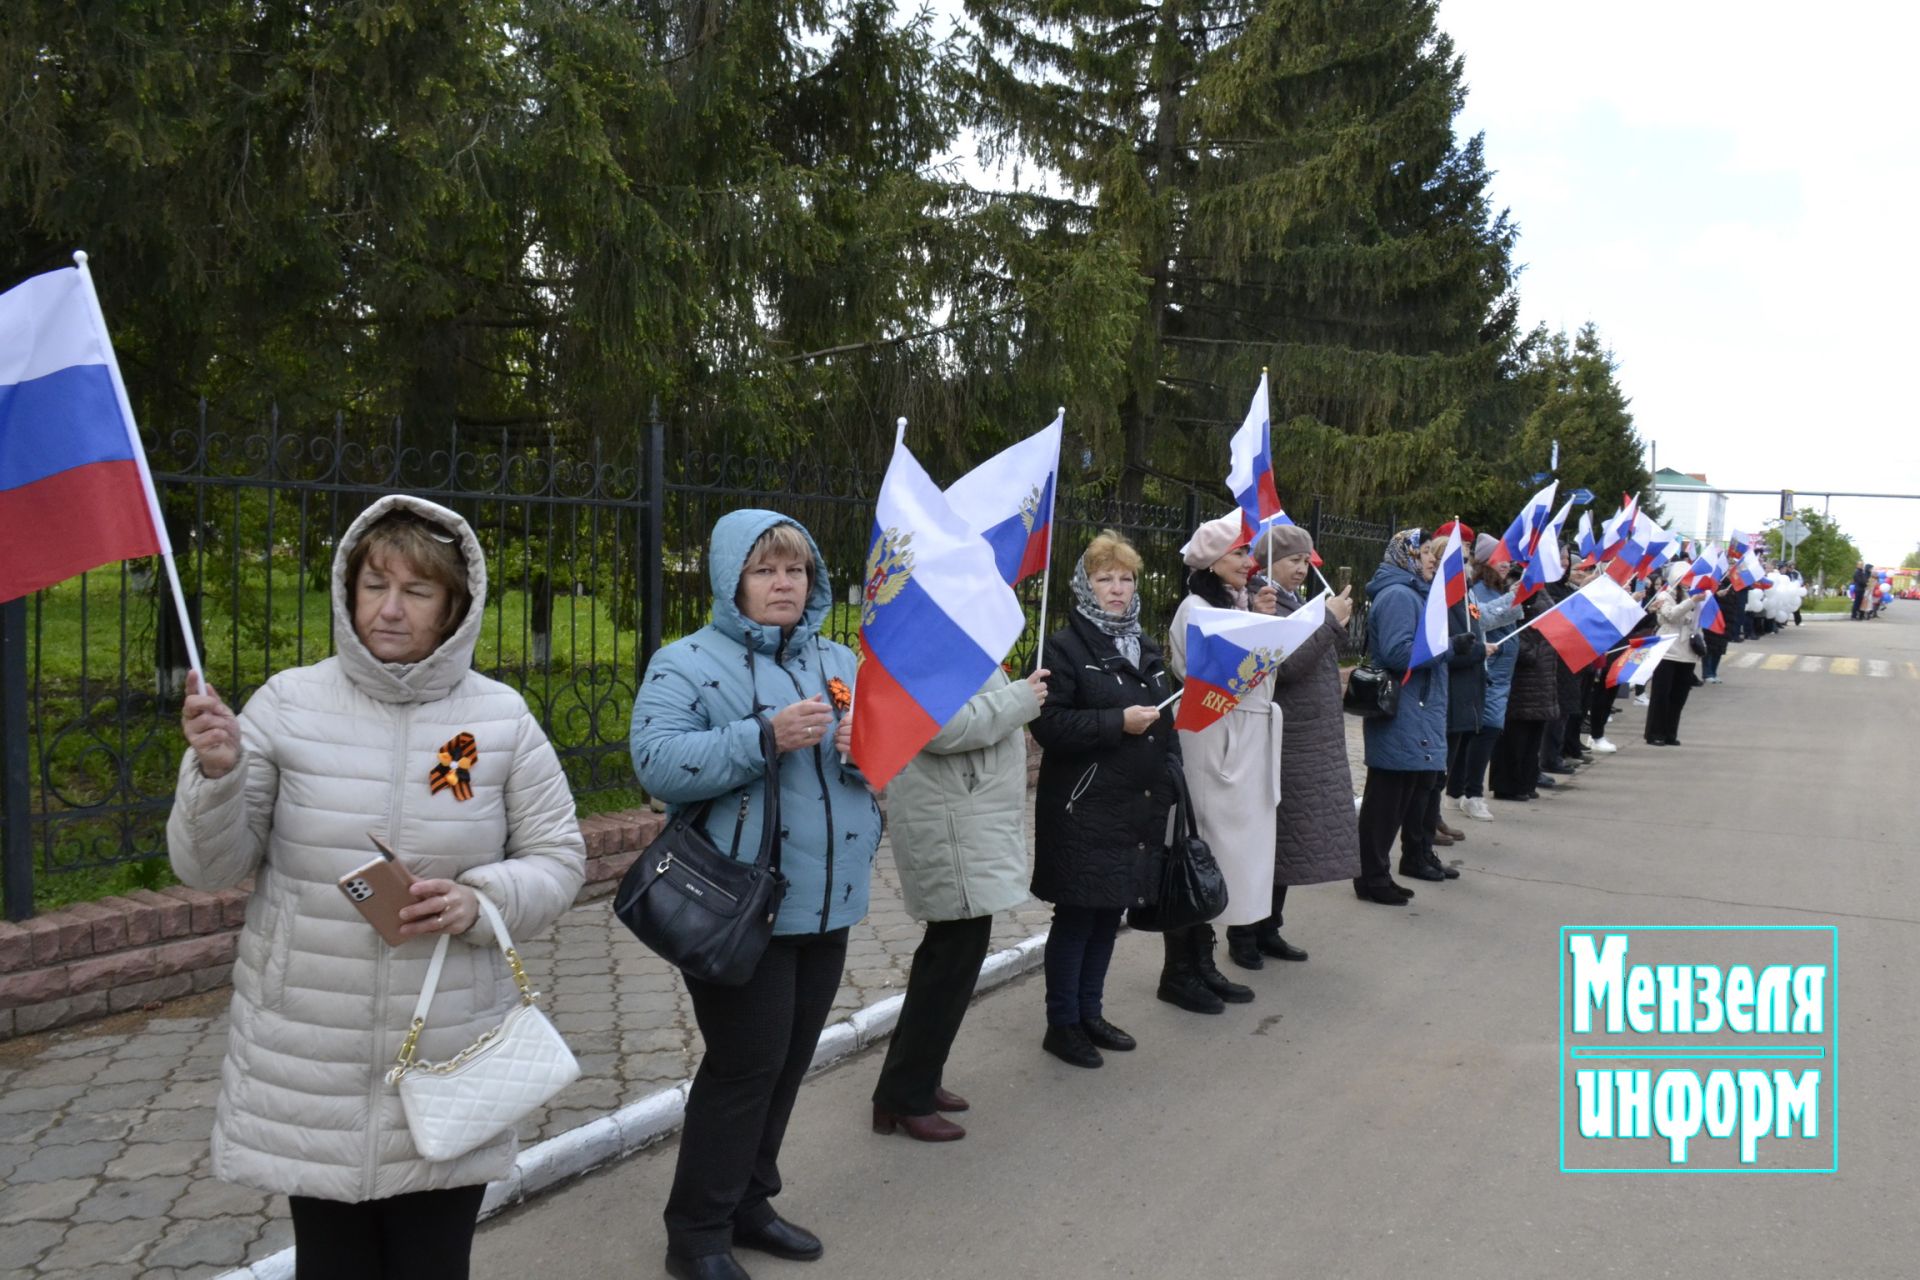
(1317, 839)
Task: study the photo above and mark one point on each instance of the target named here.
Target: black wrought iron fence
(595, 557)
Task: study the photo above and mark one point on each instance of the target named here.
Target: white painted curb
(639, 1125)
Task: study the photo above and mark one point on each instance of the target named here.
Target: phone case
(378, 891)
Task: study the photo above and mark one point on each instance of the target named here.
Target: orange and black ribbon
(455, 768)
(842, 696)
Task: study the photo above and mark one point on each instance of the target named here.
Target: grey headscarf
(1124, 628)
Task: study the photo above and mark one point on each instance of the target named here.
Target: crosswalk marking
(1818, 664)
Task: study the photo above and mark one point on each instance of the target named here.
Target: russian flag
(1584, 536)
(1547, 564)
(1589, 622)
(1637, 664)
(1231, 651)
(1008, 500)
(74, 488)
(1738, 543)
(1449, 588)
(1712, 617)
(1614, 532)
(937, 618)
(1250, 474)
(1748, 573)
(1518, 542)
(1702, 575)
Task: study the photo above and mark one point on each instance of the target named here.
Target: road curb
(652, 1119)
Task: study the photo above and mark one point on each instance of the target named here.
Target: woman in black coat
(1100, 813)
(1533, 704)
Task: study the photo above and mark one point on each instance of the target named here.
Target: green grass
(1826, 604)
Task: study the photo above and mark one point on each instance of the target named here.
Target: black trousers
(1467, 769)
(1516, 758)
(1599, 707)
(1416, 837)
(760, 1038)
(422, 1235)
(945, 967)
(1394, 801)
(1666, 698)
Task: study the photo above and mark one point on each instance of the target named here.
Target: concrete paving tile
(216, 1241)
(55, 1071)
(97, 1273)
(211, 1198)
(67, 1160)
(44, 1098)
(146, 1159)
(23, 1243)
(136, 1198)
(180, 1095)
(174, 1126)
(78, 1126)
(124, 1070)
(24, 1126)
(78, 1044)
(94, 1246)
(31, 1201)
(171, 1046)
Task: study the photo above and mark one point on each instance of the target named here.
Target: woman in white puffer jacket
(288, 793)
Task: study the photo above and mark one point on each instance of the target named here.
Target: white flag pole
(1170, 701)
(140, 460)
(1046, 575)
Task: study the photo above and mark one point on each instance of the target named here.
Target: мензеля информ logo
(1699, 1049)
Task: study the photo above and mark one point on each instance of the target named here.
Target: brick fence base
(130, 951)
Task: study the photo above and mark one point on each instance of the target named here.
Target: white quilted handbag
(454, 1106)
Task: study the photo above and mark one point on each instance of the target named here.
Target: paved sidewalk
(103, 1127)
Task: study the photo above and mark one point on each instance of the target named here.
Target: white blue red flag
(1008, 500)
(1614, 531)
(1637, 663)
(1547, 565)
(1748, 573)
(1589, 622)
(1703, 574)
(1711, 617)
(1647, 546)
(1738, 544)
(1250, 475)
(1449, 588)
(1230, 652)
(1588, 542)
(74, 489)
(1517, 543)
(937, 618)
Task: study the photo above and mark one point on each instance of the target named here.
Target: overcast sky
(1730, 191)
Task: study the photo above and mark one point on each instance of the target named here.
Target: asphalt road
(1390, 1108)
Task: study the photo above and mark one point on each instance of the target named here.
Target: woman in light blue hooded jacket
(696, 737)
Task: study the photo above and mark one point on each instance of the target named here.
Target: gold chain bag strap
(471, 1098)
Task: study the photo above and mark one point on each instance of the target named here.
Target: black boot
(1243, 947)
(1217, 982)
(1267, 938)
(1180, 984)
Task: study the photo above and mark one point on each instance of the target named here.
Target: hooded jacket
(696, 737)
(1499, 615)
(321, 1003)
(1414, 737)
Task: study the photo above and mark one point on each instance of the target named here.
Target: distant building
(1695, 509)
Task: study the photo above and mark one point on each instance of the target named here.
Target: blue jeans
(1710, 664)
(1079, 949)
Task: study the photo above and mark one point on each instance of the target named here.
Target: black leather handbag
(1192, 890)
(1372, 692)
(704, 911)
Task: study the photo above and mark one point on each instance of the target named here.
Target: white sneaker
(1475, 807)
(1457, 803)
(1643, 701)
(1586, 741)
(1602, 747)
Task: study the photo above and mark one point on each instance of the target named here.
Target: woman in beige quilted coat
(288, 793)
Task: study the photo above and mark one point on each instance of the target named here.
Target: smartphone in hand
(378, 891)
